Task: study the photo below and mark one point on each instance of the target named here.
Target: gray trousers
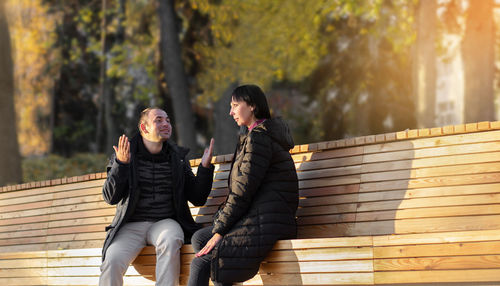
(166, 236)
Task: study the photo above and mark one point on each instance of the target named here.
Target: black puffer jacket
(261, 205)
(121, 189)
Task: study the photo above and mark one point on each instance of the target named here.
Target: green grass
(55, 166)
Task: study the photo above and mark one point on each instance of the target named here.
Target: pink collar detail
(256, 123)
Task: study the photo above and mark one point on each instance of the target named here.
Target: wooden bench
(419, 206)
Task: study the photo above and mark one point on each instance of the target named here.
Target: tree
(106, 100)
(363, 86)
(74, 122)
(343, 62)
(175, 75)
(260, 42)
(478, 57)
(10, 164)
(32, 32)
(424, 64)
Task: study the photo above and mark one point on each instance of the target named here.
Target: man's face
(157, 127)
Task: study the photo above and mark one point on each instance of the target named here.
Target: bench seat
(471, 256)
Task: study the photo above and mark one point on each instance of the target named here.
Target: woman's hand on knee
(210, 245)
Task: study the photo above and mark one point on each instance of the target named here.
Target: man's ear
(143, 128)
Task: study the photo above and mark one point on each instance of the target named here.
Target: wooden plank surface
(416, 210)
(334, 260)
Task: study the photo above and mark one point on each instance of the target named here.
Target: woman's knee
(200, 263)
(196, 242)
(200, 238)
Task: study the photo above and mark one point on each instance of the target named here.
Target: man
(150, 181)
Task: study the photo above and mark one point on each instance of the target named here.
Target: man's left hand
(206, 160)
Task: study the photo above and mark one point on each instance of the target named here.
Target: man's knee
(168, 241)
(115, 262)
(116, 267)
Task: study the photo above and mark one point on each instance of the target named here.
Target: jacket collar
(181, 151)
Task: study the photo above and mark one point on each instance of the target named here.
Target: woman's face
(242, 113)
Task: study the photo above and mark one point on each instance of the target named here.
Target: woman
(262, 201)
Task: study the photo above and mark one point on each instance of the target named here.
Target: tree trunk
(226, 130)
(478, 58)
(106, 122)
(10, 163)
(175, 75)
(424, 64)
(110, 94)
(103, 94)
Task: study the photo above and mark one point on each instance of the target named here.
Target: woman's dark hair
(255, 97)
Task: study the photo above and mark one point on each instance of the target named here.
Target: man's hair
(255, 97)
(144, 117)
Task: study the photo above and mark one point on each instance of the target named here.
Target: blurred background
(75, 74)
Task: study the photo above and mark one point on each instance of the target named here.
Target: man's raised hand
(123, 150)
(207, 155)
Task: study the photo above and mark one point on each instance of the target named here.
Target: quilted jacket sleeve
(245, 180)
(198, 187)
(116, 185)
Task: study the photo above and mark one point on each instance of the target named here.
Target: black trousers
(200, 266)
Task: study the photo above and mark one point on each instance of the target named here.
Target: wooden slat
(342, 266)
(441, 191)
(491, 136)
(442, 249)
(52, 189)
(415, 163)
(23, 281)
(327, 154)
(313, 279)
(432, 152)
(333, 172)
(51, 196)
(55, 210)
(431, 182)
(429, 202)
(23, 263)
(435, 276)
(329, 163)
(438, 263)
(446, 237)
(429, 212)
(104, 212)
(431, 172)
(327, 182)
(31, 272)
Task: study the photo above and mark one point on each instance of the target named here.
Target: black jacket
(261, 204)
(121, 189)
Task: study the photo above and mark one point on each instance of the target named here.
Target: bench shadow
(282, 266)
(350, 192)
(384, 188)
